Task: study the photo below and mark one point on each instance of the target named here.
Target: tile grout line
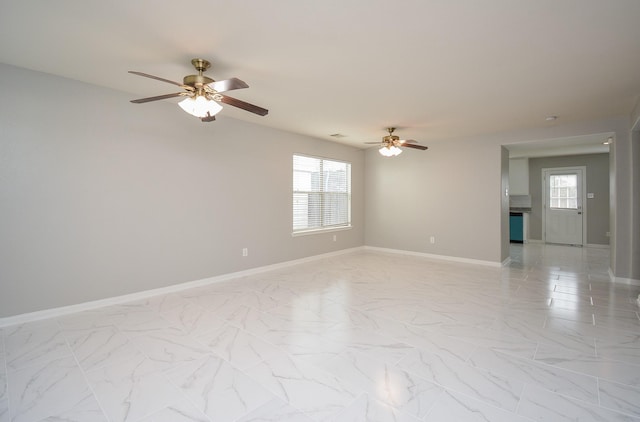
(164, 375)
(535, 353)
(6, 370)
(399, 320)
(524, 386)
(433, 405)
(82, 371)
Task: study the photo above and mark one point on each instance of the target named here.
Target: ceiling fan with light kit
(203, 94)
(391, 144)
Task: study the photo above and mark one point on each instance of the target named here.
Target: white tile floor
(359, 337)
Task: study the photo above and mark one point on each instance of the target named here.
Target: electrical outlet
(432, 240)
(245, 251)
(335, 237)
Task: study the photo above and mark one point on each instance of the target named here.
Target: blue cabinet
(516, 227)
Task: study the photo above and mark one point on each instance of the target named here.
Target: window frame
(323, 228)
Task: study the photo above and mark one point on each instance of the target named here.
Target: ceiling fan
(391, 144)
(203, 94)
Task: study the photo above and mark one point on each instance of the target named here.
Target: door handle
(579, 212)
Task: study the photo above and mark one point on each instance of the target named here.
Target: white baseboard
(85, 306)
(65, 310)
(623, 280)
(588, 245)
(434, 256)
(629, 281)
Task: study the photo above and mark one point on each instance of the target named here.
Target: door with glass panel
(563, 219)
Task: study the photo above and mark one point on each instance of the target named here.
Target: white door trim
(583, 193)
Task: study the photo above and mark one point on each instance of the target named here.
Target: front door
(563, 213)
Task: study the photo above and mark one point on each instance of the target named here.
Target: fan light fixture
(391, 144)
(200, 106)
(390, 151)
(203, 94)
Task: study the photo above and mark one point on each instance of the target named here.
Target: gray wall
(635, 238)
(504, 207)
(100, 197)
(623, 215)
(451, 191)
(597, 182)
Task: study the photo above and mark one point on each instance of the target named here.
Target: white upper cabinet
(519, 176)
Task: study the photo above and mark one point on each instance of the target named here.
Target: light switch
(590, 196)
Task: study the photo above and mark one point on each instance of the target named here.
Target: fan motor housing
(196, 80)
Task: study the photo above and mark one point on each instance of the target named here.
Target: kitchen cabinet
(519, 176)
(518, 227)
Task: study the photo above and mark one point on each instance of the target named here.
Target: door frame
(583, 194)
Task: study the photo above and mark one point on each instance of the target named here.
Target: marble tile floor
(365, 336)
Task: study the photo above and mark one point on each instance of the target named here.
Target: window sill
(319, 231)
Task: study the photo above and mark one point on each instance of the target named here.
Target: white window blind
(321, 194)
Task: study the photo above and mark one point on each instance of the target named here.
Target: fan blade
(159, 97)
(228, 85)
(421, 147)
(407, 141)
(244, 105)
(373, 143)
(157, 78)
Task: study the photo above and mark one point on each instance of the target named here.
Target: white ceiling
(437, 69)
(586, 144)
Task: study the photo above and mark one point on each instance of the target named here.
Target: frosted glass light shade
(200, 106)
(385, 151)
(391, 151)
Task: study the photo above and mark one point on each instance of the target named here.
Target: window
(564, 191)
(321, 194)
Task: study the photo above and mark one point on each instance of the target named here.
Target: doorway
(563, 216)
